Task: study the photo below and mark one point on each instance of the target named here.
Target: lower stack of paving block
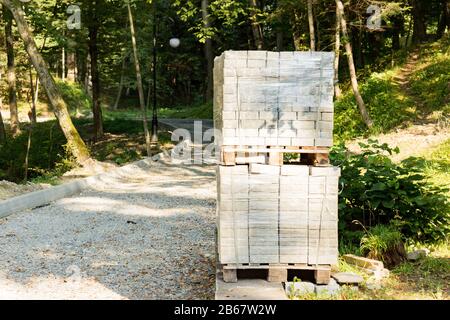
(277, 215)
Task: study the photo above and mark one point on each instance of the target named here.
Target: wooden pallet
(273, 155)
(277, 272)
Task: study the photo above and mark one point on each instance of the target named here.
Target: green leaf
(379, 186)
(388, 203)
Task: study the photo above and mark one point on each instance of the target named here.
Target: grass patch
(436, 164)
(430, 82)
(201, 111)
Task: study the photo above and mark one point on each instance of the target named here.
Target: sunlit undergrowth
(388, 103)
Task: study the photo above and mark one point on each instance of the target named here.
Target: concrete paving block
(287, 116)
(347, 278)
(332, 288)
(252, 124)
(257, 54)
(264, 169)
(229, 115)
(295, 170)
(302, 142)
(248, 115)
(325, 125)
(235, 63)
(327, 116)
(268, 115)
(249, 289)
(230, 124)
(325, 171)
(231, 54)
(256, 63)
(302, 124)
(323, 142)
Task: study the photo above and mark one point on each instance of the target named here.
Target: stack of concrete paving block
(274, 98)
(273, 214)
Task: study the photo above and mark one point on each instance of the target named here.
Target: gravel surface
(148, 234)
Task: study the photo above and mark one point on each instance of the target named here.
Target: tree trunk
(93, 52)
(2, 124)
(351, 66)
(33, 115)
(75, 143)
(280, 40)
(208, 53)
(296, 34)
(337, 51)
(63, 64)
(139, 81)
(312, 37)
(122, 80)
(2, 128)
(71, 67)
(420, 28)
(11, 74)
(444, 20)
(256, 27)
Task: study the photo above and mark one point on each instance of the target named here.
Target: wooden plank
(322, 276)
(276, 158)
(230, 275)
(277, 275)
(229, 158)
(299, 266)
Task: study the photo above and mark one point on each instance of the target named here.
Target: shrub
(47, 153)
(384, 242)
(75, 96)
(378, 191)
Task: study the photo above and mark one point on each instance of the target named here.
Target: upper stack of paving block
(274, 98)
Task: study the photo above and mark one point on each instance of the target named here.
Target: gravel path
(145, 235)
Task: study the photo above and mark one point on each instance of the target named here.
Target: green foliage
(378, 191)
(47, 153)
(75, 96)
(379, 239)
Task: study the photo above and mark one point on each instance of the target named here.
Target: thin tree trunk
(208, 53)
(11, 74)
(27, 155)
(71, 67)
(444, 19)
(337, 51)
(279, 40)
(33, 117)
(2, 124)
(63, 64)
(256, 27)
(312, 37)
(75, 144)
(93, 52)
(296, 34)
(2, 128)
(87, 76)
(122, 80)
(139, 81)
(351, 66)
